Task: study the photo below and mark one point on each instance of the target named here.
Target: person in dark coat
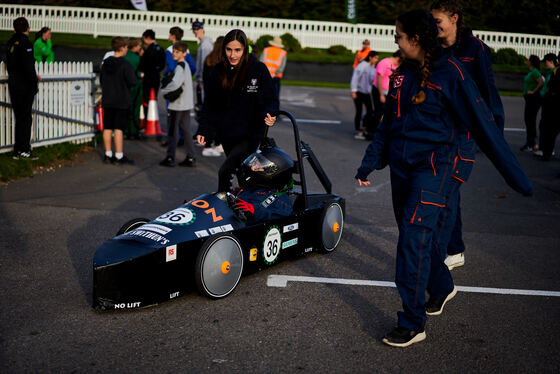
(239, 103)
(22, 85)
(433, 107)
(152, 63)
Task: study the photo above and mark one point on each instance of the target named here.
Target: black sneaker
(168, 161)
(189, 161)
(108, 160)
(24, 156)
(434, 306)
(124, 161)
(403, 337)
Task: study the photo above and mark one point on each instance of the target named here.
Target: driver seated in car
(265, 178)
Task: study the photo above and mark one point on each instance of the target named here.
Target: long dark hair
(451, 7)
(421, 23)
(233, 76)
(40, 33)
(216, 55)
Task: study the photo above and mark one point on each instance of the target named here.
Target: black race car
(205, 243)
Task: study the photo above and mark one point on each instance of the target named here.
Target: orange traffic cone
(152, 123)
(99, 117)
(142, 117)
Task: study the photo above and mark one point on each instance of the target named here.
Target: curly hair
(451, 7)
(420, 23)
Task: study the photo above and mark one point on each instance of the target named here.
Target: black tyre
(131, 225)
(330, 229)
(219, 266)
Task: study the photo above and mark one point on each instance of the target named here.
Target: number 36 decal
(272, 244)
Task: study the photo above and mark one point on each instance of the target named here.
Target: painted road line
(282, 281)
(319, 121)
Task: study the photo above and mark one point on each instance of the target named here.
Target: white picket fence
(315, 34)
(63, 109)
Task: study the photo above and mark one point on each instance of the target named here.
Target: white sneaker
(359, 136)
(219, 148)
(210, 152)
(454, 261)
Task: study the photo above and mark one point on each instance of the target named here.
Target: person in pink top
(384, 69)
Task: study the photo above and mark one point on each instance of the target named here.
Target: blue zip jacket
(171, 64)
(475, 57)
(452, 113)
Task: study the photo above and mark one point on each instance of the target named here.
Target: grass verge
(49, 158)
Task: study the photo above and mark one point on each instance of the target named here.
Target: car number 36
(272, 244)
(179, 216)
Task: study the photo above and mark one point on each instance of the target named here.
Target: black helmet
(269, 168)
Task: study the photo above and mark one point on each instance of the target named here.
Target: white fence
(316, 34)
(63, 109)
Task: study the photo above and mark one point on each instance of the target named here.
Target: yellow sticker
(253, 254)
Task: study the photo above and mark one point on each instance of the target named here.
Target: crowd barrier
(315, 34)
(63, 109)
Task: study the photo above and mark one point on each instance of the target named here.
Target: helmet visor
(260, 164)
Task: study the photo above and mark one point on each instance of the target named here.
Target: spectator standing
(384, 70)
(459, 42)
(179, 109)
(212, 59)
(133, 57)
(362, 53)
(22, 85)
(239, 102)
(117, 78)
(532, 83)
(42, 48)
(361, 87)
(176, 35)
(275, 59)
(205, 46)
(152, 63)
(550, 96)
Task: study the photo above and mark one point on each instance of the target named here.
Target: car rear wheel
(219, 266)
(131, 225)
(330, 229)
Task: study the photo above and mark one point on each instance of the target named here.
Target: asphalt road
(51, 225)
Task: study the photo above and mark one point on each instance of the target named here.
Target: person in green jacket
(42, 49)
(133, 56)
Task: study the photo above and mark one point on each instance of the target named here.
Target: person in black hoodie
(117, 77)
(22, 84)
(240, 100)
(152, 63)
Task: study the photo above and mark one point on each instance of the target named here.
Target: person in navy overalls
(433, 107)
(460, 43)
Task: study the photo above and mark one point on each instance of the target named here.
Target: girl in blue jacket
(459, 42)
(433, 106)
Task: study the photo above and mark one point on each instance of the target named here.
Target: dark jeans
(276, 86)
(22, 104)
(532, 106)
(549, 126)
(365, 100)
(236, 153)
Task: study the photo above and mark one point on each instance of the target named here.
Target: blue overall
(476, 60)
(420, 143)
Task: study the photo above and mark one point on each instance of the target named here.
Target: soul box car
(204, 243)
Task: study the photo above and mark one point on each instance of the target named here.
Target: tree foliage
(524, 16)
